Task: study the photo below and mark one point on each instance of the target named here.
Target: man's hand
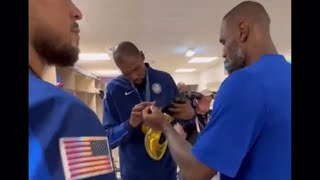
(136, 113)
(182, 111)
(180, 130)
(154, 118)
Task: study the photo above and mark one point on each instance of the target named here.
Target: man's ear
(142, 55)
(244, 31)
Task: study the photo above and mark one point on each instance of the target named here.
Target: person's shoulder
(45, 93)
(48, 101)
(118, 82)
(160, 73)
(269, 64)
(242, 76)
(243, 82)
(261, 71)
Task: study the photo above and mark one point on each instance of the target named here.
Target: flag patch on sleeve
(84, 157)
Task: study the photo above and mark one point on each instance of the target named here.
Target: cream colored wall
(187, 78)
(212, 78)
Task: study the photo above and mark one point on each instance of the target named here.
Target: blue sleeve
(53, 118)
(174, 87)
(234, 126)
(116, 130)
(37, 164)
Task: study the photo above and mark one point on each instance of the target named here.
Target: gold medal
(144, 128)
(154, 148)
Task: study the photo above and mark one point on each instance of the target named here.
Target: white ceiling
(165, 29)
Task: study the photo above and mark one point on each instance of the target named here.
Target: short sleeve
(56, 117)
(236, 121)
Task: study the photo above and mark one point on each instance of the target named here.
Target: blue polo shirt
(249, 134)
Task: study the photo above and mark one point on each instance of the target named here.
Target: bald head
(130, 61)
(125, 49)
(245, 35)
(249, 11)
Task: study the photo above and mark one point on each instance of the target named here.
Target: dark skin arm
(180, 149)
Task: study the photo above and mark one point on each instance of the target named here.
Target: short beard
(52, 48)
(237, 62)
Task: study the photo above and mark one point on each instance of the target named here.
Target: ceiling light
(190, 53)
(202, 59)
(94, 56)
(185, 70)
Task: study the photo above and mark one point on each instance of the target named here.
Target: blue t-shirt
(55, 114)
(249, 134)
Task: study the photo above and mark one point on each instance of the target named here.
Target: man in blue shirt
(249, 134)
(127, 95)
(61, 127)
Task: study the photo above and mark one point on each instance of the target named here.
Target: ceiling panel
(165, 29)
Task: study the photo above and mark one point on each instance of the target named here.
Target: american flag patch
(85, 157)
